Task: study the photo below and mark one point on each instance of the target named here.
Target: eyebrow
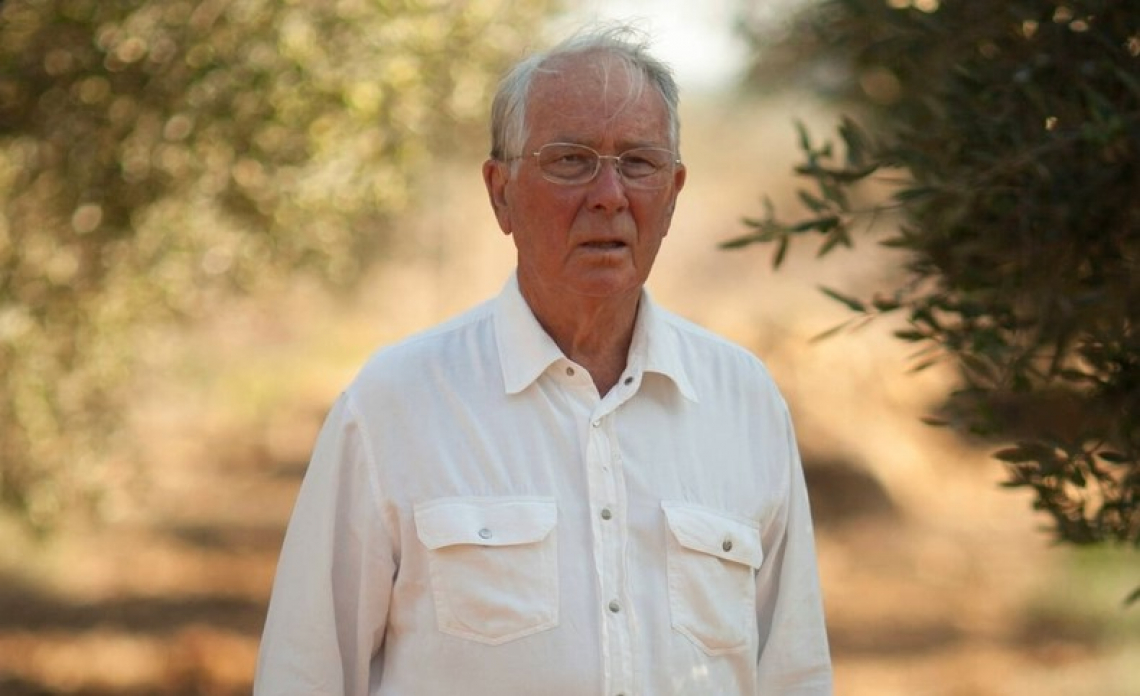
(622, 146)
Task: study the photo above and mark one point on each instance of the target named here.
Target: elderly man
(566, 490)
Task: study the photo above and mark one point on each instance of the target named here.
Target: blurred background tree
(160, 156)
(1009, 136)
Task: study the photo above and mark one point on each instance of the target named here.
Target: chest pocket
(493, 564)
(711, 562)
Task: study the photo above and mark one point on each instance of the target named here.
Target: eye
(567, 161)
(639, 163)
(573, 158)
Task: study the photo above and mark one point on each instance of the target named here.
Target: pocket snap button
(484, 533)
(727, 545)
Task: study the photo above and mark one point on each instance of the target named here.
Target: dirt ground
(937, 582)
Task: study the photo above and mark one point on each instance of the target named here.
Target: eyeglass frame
(674, 161)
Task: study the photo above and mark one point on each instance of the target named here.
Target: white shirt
(476, 521)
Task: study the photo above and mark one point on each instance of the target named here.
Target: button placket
(607, 495)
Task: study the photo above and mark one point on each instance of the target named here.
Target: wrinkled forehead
(600, 78)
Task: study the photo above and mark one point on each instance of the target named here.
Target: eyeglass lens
(564, 163)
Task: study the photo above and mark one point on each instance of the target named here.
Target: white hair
(627, 43)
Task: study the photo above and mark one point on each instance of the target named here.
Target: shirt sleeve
(329, 605)
(794, 658)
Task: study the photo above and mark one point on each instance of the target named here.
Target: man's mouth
(605, 244)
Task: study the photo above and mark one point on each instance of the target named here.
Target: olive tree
(157, 156)
(1010, 134)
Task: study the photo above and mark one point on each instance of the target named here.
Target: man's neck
(593, 332)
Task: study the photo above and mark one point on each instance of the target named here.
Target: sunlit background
(937, 581)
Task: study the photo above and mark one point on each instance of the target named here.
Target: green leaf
(835, 174)
(1015, 455)
(746, 240)
(1132, 597)
(769, 208)
(820, 224)
(1115, 457)
(855, 142)
(837, 237)
(829, 223)
(831, 332)
(898, 242)
(910, 335)
(805, 225)
(885, 305)
(781, 252)
(814, 204)
(924, 365)
(851, 303)
(913, 193)
(805, 138)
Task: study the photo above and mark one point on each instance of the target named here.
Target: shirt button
(727, 545)
(628, 381)
(484, 533)
(606, 514)
(570, 371)
(614, 606)
(596, 423)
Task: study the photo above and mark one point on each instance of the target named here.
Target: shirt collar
(526, 350)
(656, 346)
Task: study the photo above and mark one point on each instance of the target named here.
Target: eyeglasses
(571, 165)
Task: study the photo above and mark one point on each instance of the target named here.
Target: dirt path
(171, 600)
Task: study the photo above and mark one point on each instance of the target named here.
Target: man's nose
(608, 189)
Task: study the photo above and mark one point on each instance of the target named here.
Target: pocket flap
(715, 533)
(498, 521)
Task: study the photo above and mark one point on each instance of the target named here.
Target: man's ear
(679, 176)
(496, 174)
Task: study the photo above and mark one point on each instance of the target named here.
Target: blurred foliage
(158, 156)
(1087, 580)
(1010, 136)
